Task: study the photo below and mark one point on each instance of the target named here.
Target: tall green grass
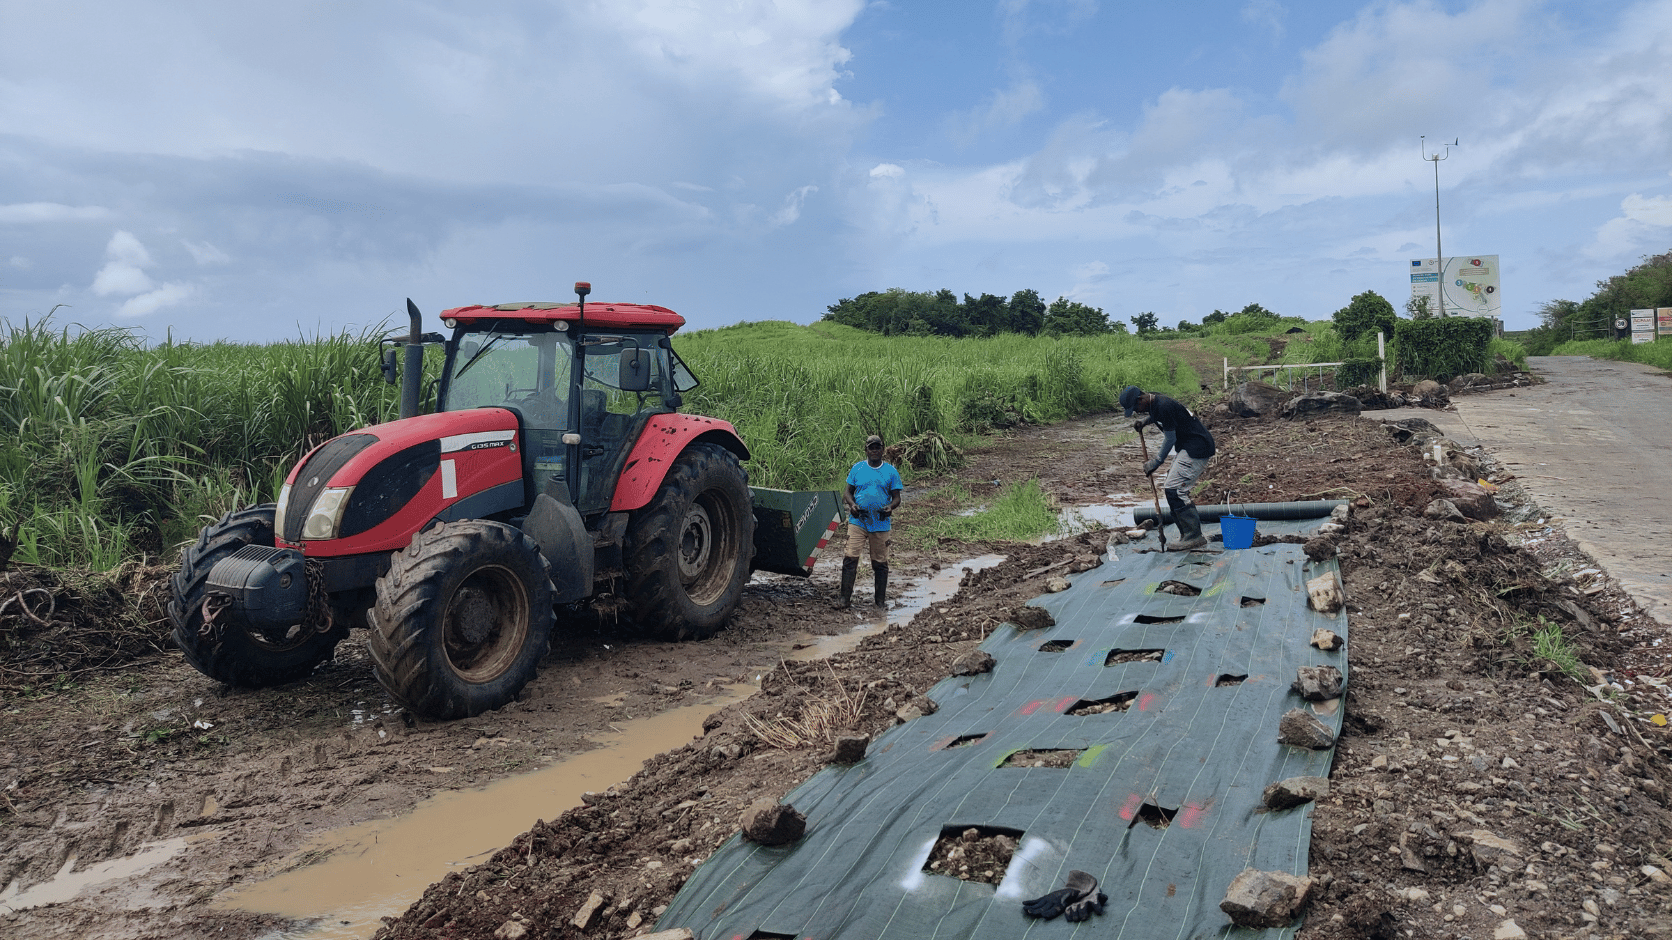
(1658, 353)
(804, 398)
(112, 450)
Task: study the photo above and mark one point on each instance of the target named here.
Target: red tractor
(555, 471)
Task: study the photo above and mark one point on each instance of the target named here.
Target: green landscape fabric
(1196, 742)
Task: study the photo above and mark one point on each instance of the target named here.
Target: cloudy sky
(267, 171)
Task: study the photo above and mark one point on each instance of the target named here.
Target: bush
(1443, 349)
(1366, 315)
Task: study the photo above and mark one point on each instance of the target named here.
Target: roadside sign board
(1643, 325)
(1664, 315)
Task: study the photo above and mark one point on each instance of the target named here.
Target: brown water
(379, 868)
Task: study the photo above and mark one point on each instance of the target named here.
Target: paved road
(1594, 447)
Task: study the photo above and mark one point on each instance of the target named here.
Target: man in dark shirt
(1181, 429)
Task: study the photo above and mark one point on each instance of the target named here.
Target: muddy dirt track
(1477, 790)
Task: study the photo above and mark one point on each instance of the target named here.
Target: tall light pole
(1439, 257)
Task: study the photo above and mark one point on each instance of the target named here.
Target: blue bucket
(1237, 531)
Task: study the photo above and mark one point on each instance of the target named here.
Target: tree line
(1645, 286)
(899, 312)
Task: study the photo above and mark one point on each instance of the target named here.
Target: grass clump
(1022, 512)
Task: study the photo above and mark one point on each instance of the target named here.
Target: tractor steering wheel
(540, 411)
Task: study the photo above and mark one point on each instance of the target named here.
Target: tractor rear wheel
(688, 551)
(230, 651)
(462, 618)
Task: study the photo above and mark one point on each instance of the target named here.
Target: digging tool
(1160, 525)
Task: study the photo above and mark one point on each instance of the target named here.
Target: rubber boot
(1175, 505)
(1190, 528)
(850, 572)
(880, 571)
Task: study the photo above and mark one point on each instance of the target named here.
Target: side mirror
(390, 374)
(634, 370)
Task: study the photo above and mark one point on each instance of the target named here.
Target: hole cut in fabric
(1179, 588)
(973, 853)
(1151, 618)
(1252, 601)
(1153, 816)
(962, 740)
(1118, 702)
(1118, 656)
(1229, 679)
(1057, 646)
(1060, 758)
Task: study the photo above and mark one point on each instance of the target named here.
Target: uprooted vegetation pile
(1490, 778)
(55, 625)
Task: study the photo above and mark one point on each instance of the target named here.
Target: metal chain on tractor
(213, 604)
(317, 614)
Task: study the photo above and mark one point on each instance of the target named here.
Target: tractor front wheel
(462, 619)
(225, 648)
(688, 551)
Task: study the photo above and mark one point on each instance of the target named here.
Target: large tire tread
(407, 622)
(657, 600)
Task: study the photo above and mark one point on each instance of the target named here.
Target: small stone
(1028, 617)
(1591, 907)
(1317, 683)
(850, 749)
(1300, 728)
(768, 822)
(1056, 585)
(1326, 639)
(510, 930)
(1656, 875)
(678, 933)
(1509, 930)
(1259, 899)
(1295, 791)
(1379, 762)
(634, 920)
(975, 662)
(588, 913)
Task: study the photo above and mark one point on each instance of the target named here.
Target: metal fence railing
(1305, 368)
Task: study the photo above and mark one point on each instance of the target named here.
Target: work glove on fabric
(1050, 905)
(1079, 897)
(1085, 907)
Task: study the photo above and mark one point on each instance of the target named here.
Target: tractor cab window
(515, 369)
(625, 381)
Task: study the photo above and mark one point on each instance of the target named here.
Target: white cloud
(122, 272)
(891, 171)
(150, 302)
(205, 253)
(1651, 210)
(1002, 110)
(791, 209)
(50, 212)
(1266, 16)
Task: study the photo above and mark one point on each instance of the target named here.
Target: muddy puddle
(932, 590)
(69, 883)
(378, 868)
(344, 881)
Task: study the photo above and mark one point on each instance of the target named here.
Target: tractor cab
(582, 392)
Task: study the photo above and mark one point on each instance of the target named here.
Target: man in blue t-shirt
(872, 496)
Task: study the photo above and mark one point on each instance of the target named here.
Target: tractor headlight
(327, 513)
(278, 514)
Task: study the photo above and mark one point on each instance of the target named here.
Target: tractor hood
(371, 489)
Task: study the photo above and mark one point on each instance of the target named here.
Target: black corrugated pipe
(1271, 512)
